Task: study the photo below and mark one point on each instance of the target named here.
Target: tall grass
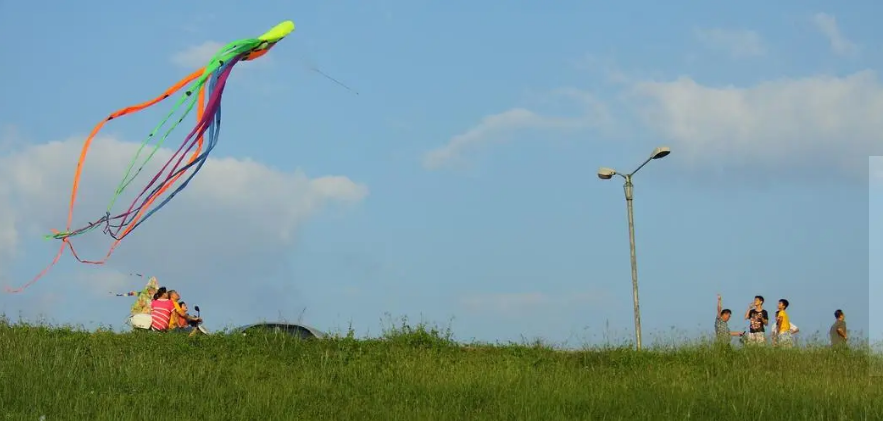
(415, 373)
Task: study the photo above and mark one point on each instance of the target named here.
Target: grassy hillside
(414, 374)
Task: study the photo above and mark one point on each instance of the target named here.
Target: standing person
(757, 318)
(838, 330)
(722, 330)
(794, 329)
(161, 310)
(782, 331)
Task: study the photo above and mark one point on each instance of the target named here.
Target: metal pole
(628, 187)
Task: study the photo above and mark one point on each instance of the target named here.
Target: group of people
(782, 331)
(166, 309)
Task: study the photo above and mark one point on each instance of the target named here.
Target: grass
(415, 374)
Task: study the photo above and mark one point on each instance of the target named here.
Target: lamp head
(605, 173)
(660, 152)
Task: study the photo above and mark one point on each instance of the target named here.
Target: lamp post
(605, 173)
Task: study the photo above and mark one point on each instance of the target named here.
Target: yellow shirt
(173, 321)
(785, 326)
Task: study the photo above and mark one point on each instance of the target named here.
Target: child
(783, 326)
(794, 329)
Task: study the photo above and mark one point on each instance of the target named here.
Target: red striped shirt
(160, 313)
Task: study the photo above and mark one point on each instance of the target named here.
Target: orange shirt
(176, 320)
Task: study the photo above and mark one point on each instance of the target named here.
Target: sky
(455, 184)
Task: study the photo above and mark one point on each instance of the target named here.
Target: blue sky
(459, 185)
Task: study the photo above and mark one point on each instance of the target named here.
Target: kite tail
(208, 117)
(223, 59)
(210, 123)
(78, 172)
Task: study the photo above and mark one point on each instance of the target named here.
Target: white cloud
(739, 43)
(229, 229)
(197, 55)
(827, 24)
(497, 127)
(788, 122)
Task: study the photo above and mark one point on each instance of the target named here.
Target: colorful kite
(208, 120)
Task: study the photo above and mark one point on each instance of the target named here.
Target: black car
(293, 329)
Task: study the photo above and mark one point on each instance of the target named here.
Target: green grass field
(415, 374)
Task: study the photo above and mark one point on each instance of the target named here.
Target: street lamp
(605, 173)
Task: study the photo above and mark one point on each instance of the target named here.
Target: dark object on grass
(293, 329)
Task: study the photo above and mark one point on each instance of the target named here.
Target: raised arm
(720, 306)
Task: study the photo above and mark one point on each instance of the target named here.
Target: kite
(204, 88)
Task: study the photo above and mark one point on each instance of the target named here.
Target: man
(838, 330)
(179, 317)
(721, 327)
(783, 326)
(757, 318)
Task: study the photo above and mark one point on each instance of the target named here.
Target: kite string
(316, 69)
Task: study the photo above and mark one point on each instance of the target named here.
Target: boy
(838, 330)
(783, 326)
(757, 318)
(721, 328)
(794, 330)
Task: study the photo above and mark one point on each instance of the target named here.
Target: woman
(140, 317)
(142, 304)
(161, 310)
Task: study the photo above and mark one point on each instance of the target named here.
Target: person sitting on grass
(142, 305)
(179, 318)
(161, 310)
(721, 326)
(190, 322)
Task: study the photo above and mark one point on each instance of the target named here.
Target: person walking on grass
(757, 318)
(782, 330)
(837, 332)
(722, 331)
